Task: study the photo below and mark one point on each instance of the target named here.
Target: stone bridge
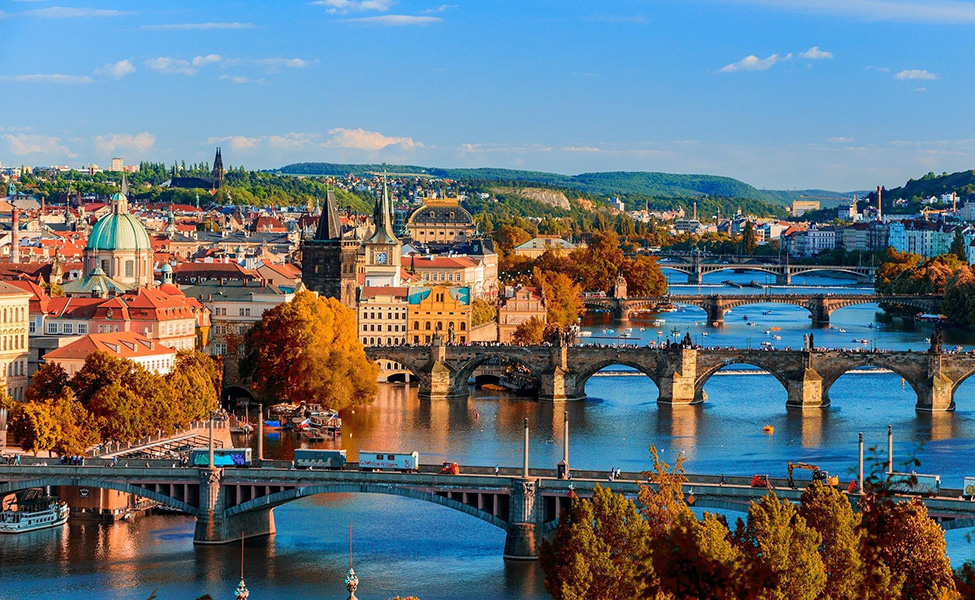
(697, 266)
(820, 306)
(680, 373)
(526, 504)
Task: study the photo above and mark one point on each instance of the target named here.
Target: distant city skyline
(782, 94)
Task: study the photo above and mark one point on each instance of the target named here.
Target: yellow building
(439, 310)
(14, 317)
(440, 221)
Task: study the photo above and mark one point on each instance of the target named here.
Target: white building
(122, 344)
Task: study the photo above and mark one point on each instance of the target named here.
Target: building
(847, 212)
(537, 246)
(439, 310)
(380, 255)
(14, 317)
(214, 182)
(117, 164)
(328, 260)
(855, 237)
(519, 304)
(382, 315)
(440, 221)
(129, 345)
(800, 207)
(119, 246)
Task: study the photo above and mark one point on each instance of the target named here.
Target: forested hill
(660, 185)
(962, 182)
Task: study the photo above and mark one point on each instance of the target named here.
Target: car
(761, 481)
(450, 468)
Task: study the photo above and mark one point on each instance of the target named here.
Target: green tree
(828, 512)
(699, 559)
(49, 381)
(100, 370)
(308, 349)
(194, 382)
(482, 312)
(781, 552)
(530, 332)
(77, 429)
(748, 239)
(598, 551)
(959, 247)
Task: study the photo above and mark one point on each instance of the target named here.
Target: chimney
(695, 210)
(880, 214)
(15, 237)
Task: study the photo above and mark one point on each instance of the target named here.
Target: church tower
(218, 171)
(328, 260)
(383, 253)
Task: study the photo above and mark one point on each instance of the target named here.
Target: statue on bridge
(937, 339)
(686, 342)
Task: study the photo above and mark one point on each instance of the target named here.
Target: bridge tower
(214, 525)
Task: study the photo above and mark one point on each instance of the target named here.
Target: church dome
(433, 214)
(118, 231)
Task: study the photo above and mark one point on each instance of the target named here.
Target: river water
(408, 547)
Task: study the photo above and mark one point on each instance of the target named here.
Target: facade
(119, 245)
(535, 247)
(441, 221)
(519, 304)
(382, 315)
(855, 237)
(380, 254)
(439, 310)
(129, 345)
(14, 316)
(800, 207)
(328, 260)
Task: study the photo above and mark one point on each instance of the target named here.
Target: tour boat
(39, 513)
(584, 333)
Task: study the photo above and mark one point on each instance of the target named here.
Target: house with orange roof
(128, 345)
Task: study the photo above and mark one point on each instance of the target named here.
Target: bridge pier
(820, 312)
(715, 308)
(806, 391)
(523, 536)
(213, 526)
(936, 394)
(441, 382)
(783, 277)
(695, 276)
(678, 382)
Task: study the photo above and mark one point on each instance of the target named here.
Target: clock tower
(383, 258)
(328, 260)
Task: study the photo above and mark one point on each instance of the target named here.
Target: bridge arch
(800, 270)
(873, 361)
(752, 360)
(585, 372)
(65, 480)
(290, 495)
(712, 268)
(467, 369)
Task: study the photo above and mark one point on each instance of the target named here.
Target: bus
(222, 457)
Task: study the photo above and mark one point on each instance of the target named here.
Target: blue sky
(838, 94)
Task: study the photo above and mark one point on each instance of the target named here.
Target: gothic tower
(328, 260)
(382, 250)
(218, 171)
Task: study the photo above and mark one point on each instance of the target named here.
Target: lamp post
(210, 444)
(525, 470)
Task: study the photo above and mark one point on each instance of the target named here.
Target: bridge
(696, 266)
(525, 503)
(820, 306)
(679, 372)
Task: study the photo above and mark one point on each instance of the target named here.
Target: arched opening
(858, 316)
(872, 388)
(235, 396)
(743, 388)
(500, 373)
(619, 383)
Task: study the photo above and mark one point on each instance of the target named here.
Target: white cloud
(203, 26)
(23, 144)
(581, 149)
(276, 64)
(878, 69)
(945, 12)
(921, 89)
(754, 63)
(815, 53)
(344, 7)
(841, 140)
(439, 9)
(200, 61)
(110, 143)
(168, 64)
(915, 74)
(68, 12)
(116, 70)
(49, 78)
(360, 139)
(394, 20)
(240, 79)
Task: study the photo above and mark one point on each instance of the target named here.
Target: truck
(319, 459)
(391, 461)
(222, 457)
(914, 483)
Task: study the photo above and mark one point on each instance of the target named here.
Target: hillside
(658, 185)
(962, 182)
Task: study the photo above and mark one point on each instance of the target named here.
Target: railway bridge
(820, 306)
(696, 266)
(679, 371)
(525, 503)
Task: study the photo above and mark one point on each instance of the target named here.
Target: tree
(482, 312)
(77, 429)
(33, 426)
(563, 299)
(194, 382)
(959, 247)
(644, 277)
(599, 550)
(509, 236)
(781, 552)
(100, 370)
(530, 332)
(748, 239)
(308, 349)
(699, 559)
(828, 512)
(49, 381)
(662, 501)
(596, 265)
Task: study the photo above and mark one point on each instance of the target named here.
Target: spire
(329, 226)
(381, 217)
(125, 185)
(218, 170)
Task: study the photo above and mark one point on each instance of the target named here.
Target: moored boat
(37, 513)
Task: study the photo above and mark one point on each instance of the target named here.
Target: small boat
(629, 329)
(842, 331)
(751, 324)
(37, 513)
(658, 322)
(704, 333)
(660, 333)
(768, 331)
(775, 329)
(584, 334)
(776, 337)
(744, 317)
(313, 435)
(768, 429)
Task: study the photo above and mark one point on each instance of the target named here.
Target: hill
(962, 182)
(642, 183)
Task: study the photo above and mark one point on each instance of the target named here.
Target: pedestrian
(18, 460)
(114, 461)
(722, 479)
(497, 468)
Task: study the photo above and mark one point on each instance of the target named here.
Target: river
(408, 547)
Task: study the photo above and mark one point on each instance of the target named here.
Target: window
(31, 327)
(82, 328)
(52, 328)
(427, 326)
(67, 328)
(105, 263)
(463, 326)
(416, 325)
(129, 268)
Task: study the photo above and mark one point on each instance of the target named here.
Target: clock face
(380, 258)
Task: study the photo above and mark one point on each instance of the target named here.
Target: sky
(782, 94)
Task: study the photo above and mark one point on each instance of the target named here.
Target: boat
(775, 329)
(776, 337)
(313, 435)
(744, 317)
(40, 512)
(584, 334)
(704, 333)
(658, 322)
(768, 429)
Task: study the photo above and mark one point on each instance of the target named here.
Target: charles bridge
(820, 306)
(680, 372)
(696, 266)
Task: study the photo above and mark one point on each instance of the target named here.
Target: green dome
(118, 231)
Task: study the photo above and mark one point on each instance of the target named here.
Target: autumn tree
(308, 349)
(194, 383)
(100, 369)
(748, 239)
(829, 512)
(529, 332)
(34, 426)
(49, 381)
(482, 312)
(699, 559)
(644, 277)
(959, 247)
(598, 551)
(596, 265)
(76, 427)
(563, 299)
(782, 559)
(509, 236)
